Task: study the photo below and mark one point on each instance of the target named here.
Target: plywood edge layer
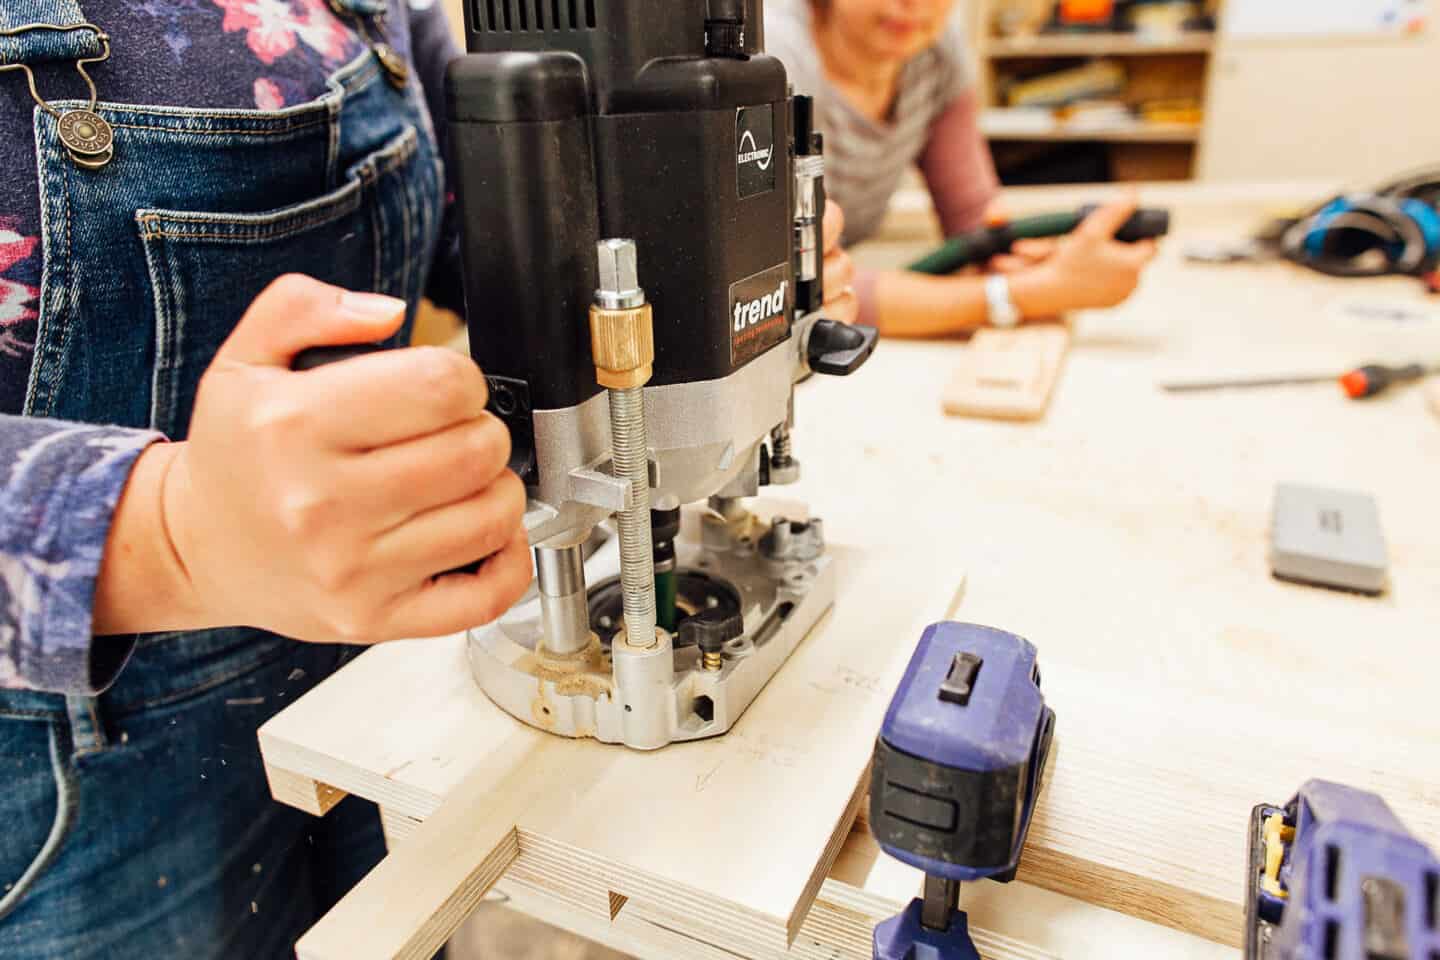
(291, 763)
(1168, 905)
(682, 908)
(844, 919)
(397, 827)
(366, 925)
(826, 863)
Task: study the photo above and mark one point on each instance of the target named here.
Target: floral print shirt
(59, 482)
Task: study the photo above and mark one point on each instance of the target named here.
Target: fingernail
(371, 306)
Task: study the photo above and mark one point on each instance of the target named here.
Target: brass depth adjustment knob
(622, 330)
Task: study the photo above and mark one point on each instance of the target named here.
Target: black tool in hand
(314, 357)
(978, 246)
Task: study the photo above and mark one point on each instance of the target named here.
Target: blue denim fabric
(197, 213)
(138, 825)
(138, 822)
(50, 44)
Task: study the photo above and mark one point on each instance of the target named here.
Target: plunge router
(642, 200)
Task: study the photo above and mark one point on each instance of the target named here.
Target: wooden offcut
(1008, 374)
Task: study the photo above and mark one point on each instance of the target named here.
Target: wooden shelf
(1148, 133)
(1096, 45)
(1173, 66)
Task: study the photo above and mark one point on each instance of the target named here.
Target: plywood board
(727, 839)
(1137, 753)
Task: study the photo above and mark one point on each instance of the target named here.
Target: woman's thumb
(297, 312)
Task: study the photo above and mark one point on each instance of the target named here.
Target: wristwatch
(1002, 310)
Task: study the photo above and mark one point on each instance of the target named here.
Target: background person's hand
(841, 302)
(1088, 269)
(323, 505)
(1024, 254)
(997, 211)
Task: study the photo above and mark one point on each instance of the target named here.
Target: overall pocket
(375, 233)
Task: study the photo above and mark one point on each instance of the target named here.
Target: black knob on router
(725, 29)
(839, 349)
(710, 629)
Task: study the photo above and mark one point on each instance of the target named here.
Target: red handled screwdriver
(1366, 381)
(1375, 378)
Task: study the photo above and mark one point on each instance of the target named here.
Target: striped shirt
(865, 159)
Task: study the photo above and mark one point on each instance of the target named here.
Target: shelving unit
(1097, 45)
(1158, 67)
(1138, 133)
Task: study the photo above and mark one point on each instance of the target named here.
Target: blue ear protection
(1395, 230)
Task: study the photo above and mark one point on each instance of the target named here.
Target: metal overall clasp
(87, 136)
(372, 29)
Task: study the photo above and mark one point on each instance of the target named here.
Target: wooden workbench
(1125, 535)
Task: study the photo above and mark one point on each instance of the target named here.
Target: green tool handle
(979, 246)
(1048, 224)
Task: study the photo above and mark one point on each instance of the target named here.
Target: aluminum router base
(577, 696)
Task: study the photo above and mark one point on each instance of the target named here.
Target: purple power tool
(956, 772)
(1334, 875)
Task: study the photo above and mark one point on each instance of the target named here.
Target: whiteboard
(1299, 18)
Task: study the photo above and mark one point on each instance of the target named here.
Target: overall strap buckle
(369, 19)
(87, 136)
(360, 8)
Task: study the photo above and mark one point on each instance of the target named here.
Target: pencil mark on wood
(762, 748)
(846, 681)
(703, 780)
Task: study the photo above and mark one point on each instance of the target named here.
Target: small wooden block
(1008, 374)
(299, 791)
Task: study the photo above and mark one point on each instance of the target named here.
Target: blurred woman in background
(893, 88)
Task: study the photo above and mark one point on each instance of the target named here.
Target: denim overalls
(138, 823)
